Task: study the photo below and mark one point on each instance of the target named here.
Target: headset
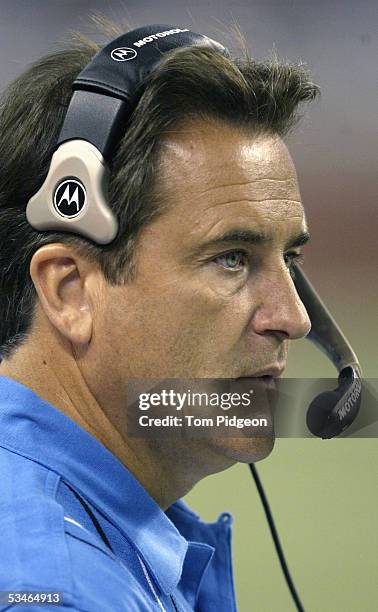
(73, 199)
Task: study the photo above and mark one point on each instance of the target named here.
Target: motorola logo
(69, 198)
(123, 54)
(152, 37)
(350, 402)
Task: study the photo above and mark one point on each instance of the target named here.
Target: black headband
(108, 89)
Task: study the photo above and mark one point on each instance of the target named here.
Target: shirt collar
(35, 429)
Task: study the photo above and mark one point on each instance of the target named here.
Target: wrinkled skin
(198, 307)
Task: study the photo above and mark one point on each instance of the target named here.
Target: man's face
(213, 294)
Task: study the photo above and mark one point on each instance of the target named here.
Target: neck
(166, 471)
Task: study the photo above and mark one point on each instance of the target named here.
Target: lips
(271, 372)
(267, 377)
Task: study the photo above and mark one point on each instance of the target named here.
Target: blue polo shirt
(74, 520)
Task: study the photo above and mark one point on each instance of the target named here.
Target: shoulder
(44, 550)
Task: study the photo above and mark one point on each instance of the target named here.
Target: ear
(66, 284)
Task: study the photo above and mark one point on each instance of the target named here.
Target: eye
(291, 259)
(233, 260)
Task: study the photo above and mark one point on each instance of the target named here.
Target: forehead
(215, 175)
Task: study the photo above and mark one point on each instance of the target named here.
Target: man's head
(213, 295)
(197, 282)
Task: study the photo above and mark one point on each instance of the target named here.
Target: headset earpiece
(73, 197)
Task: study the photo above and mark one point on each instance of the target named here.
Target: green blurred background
(323, 494)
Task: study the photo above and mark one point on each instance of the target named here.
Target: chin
(245, 450)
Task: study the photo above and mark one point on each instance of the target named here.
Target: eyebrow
(255, 238)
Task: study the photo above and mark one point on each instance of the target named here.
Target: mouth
(270, 372)
(267, 380)
(268, 376)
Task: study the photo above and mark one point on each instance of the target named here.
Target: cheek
(150, 333)
(175, 329)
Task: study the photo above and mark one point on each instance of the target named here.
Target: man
(197, 284)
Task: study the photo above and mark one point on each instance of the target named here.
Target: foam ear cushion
(318, 412)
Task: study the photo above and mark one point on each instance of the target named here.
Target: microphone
(331, 412)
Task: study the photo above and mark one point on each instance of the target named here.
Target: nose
(280, 310)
